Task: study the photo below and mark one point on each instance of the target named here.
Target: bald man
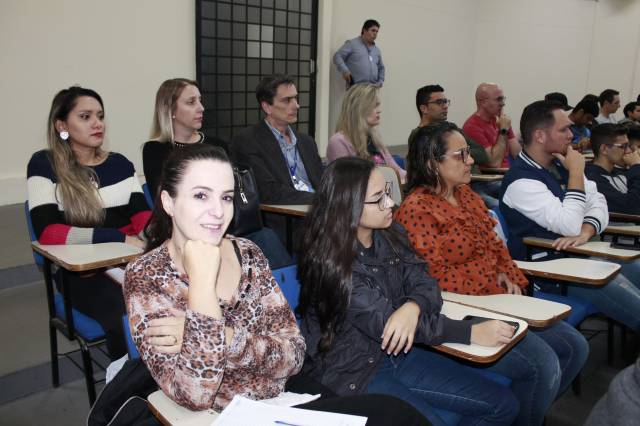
(490, 127)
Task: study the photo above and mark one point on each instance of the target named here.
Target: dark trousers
(380, 410)
(98, 297)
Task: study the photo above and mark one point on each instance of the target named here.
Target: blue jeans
(272, 247)
(570, 346)
(427, 379)
(535, 371)
(619, 299)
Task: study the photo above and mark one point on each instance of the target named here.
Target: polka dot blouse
(459, 244)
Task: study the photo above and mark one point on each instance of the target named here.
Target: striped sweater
(126, 210)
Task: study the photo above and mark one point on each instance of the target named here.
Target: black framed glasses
(622, 146)
(501, 99)
(461, 154)
(440, 102)
(383, 201)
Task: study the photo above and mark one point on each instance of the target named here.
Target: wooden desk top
(591, 248)
(494, 170)
(171, 414)
(628, 230)
(536, 312)
(85, 257)
(473, 352)
(576, 270)
(486, 178)
(624, 217)
(299, 210)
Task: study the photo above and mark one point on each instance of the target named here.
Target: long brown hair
(76, 183)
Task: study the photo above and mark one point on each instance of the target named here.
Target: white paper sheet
(243, 411)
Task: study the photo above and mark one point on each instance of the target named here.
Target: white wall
(529, 47)
(122, 49)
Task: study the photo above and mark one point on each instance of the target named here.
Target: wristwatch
(504, 131)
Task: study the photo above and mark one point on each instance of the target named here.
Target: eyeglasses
(383, 201)
(440, 102)
(622, 146)
(462, 154)
(501, 99)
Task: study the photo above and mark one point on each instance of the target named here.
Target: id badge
(299, 184)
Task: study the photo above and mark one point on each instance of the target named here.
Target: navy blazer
(257, 147)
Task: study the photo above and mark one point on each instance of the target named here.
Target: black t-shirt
(154, 154)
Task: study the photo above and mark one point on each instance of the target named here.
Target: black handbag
(246, 203)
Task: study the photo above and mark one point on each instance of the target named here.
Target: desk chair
(71, 323)
(132, 350)
(147, 195)
(580, 309)
(287, 279)
(399, 160)
(391, 175)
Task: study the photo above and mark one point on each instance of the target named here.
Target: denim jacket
(380, 285)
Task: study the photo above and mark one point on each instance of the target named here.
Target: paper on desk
(243, 411)
(289, 399)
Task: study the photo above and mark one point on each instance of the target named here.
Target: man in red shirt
(490, 127)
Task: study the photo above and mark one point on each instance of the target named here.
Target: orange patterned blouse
(463, 251)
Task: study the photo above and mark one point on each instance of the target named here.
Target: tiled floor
(25, 373)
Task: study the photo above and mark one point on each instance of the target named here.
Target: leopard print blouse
(265, 350)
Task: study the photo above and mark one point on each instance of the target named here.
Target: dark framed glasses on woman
(383, 201)
(461, 154)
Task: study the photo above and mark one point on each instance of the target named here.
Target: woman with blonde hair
(82, 194)
(356, 133)
(177, 120)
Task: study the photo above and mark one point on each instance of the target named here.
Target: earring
(64, 135)
(173, 116)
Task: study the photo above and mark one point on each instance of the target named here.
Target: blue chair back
(147, 195)
(85, 326)
(399, 160)
(131, 346)
(287, 279)
(32, 235)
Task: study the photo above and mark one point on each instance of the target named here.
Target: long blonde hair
(357, 104)
(76, 183)
(166, 98)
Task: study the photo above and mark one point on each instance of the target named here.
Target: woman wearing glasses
(356, 133)
(366, 298)
(449, 227)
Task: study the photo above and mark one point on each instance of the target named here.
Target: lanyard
(292, 169)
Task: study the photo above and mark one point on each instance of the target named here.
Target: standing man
(359, 60)
(490, 127)
(609, 101)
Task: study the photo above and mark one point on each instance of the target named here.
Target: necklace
(182, 144)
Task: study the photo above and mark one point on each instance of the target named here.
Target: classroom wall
(529, 47)
(122, 49)
(125, 49)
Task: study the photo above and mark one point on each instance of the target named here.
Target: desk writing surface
(473, 352)
(495, 170)
(536, 312)
(624, 217)
(84, 257)
(577, 270)
(590, 248)
(628, 230)
(300, 210)
(486, 178)
(172, 414)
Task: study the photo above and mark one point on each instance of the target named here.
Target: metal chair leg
(576, 385)
(88, 373)
(53, 346)
(610, 340)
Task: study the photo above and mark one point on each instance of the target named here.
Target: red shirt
(485, 133)
(459, 244)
